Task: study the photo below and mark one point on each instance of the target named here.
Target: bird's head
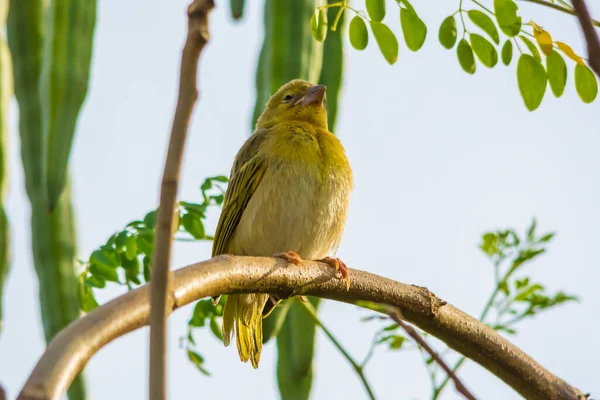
(297, 100)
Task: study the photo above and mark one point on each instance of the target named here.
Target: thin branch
(358, 368)
(560, 8)
(460, 387)
(71, 349)
(590, 34)
(197, 37)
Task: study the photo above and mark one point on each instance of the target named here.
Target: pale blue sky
(439, 157)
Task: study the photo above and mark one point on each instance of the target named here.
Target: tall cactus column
(5, 95)
(51, 51)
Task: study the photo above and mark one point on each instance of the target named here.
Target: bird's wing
(246, 174)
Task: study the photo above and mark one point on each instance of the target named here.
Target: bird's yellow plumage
(288, 193)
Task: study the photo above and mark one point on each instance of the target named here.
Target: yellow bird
(287, 197)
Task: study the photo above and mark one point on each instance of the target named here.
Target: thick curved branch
(590, 34)
(70, 350)
(197, 37)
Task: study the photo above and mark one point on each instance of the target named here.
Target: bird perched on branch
(287, 197)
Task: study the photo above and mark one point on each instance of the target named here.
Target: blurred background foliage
(45, 54)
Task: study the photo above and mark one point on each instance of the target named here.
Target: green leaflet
(585, 83)
(532, 80)
(53, 235)
(5, 95)
(447, 32)
(358, 33)
(64, 83)
(557, 73)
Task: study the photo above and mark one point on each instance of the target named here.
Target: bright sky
(439, 157)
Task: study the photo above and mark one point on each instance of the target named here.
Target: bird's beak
(314, 95)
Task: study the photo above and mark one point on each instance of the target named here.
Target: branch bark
(197, 37)
(70, 350)
(590, 34)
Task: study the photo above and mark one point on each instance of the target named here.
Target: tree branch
(590, 34)
(557, 7)
(70, 350)
(197, 37)
(460, 387)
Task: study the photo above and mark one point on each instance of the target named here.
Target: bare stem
(197, 37)
(561, 8)
(460, 387)
(357, 368)
(590, 34)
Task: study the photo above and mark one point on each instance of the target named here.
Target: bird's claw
(339, 266)
(291, 257)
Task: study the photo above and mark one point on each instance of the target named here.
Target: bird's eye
(288, 97)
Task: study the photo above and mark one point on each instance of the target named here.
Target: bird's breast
(298, 206)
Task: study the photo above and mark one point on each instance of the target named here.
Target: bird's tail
(243, 314)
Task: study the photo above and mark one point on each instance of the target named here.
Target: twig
(460, 387)
(197, 37)
(358, 368)
(560, 8)
(590, 34)
(71, 349)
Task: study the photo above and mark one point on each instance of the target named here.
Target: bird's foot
(340, 266)
(291, 257)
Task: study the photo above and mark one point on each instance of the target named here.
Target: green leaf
(532, 48)
(531, 230)
(503, 286)
(585, 83)
(207, 184)
(376, 9)
(413, 28)
(198, 361)
(147, 269)
(131, 247)
(447, 33)
(557, 73)
(396, 342)
(485, 51)
(150, 219)
(216, 328)
(506, 15)
(132, 270)
(193, 226)
(104, 256)
(483, 21)
(465, 57)
(318, 24)
(521, 283)
(87, 301)
(121, 237)
(489, 244)
(386, 40)
(95, 281)
(145, 241)
(547, 237)
(199, 209)
(406, 4)
(359, 35)
(507, 52)
(104, 272)
(531, 77)
(220, 178)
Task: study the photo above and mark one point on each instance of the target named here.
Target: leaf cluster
(126, 257)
